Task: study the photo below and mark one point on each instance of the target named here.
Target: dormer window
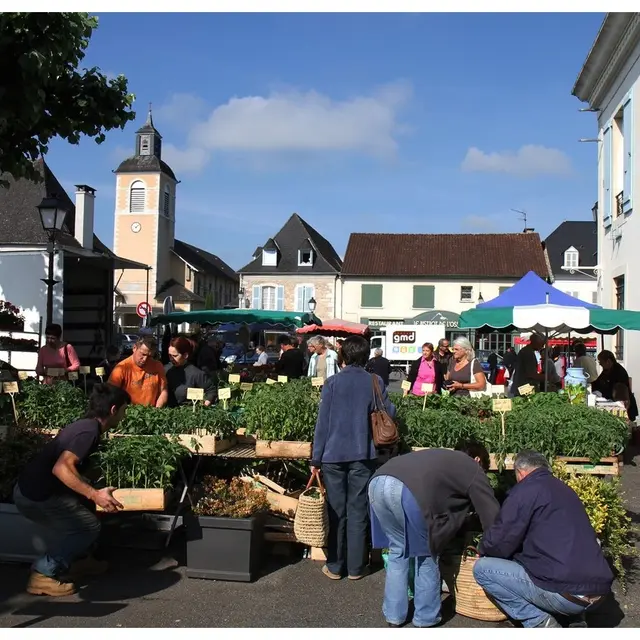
(571, 258)
(305, 258)
(269, 258)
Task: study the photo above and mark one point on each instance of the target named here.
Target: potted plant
(10, 317)
(225, 531)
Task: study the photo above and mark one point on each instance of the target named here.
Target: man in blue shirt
(542, 556)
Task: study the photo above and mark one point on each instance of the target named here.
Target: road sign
(143, 309)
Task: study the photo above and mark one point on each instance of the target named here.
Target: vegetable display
(282, 411)
(50, 406)
(138, 462)
(235, 499)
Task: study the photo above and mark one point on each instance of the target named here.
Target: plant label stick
(317, 382)
(73, 376)
(246, 386)
(224, 395)
(502, 405)
(283, 379)
(427, 388)
(234, 378)
(406, 385)
(195, 395)
(270, 381)
(100, 373)
(84, 372)
(12, 388)
(22, 375)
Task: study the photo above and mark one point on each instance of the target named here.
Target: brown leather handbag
(384, 430)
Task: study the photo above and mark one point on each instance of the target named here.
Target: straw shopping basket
(470, 598)
(311, 522)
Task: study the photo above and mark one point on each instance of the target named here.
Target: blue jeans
(511, 587)
(348, 507)
(76, 526)
(385, 496)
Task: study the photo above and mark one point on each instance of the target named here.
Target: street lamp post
(312, 305)
(52, 216)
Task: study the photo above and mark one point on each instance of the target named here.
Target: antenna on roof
(523, 217)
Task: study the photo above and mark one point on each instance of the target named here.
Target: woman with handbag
(345, 452)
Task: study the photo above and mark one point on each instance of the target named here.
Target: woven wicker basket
(311, 522)
(470, 598)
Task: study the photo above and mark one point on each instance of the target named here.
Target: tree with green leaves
(43, 95)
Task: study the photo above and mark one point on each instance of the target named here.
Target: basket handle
(315, 476)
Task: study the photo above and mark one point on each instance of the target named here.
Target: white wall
(20, 284)
(618, 246)
(397, 296)
(584, 288)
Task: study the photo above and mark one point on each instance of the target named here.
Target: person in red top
(141, 376)
(56, 354)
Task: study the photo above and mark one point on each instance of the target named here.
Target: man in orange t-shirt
(141, 376)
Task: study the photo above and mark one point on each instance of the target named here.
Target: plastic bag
(412, 570)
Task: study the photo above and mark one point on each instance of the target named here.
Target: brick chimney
(85, 206)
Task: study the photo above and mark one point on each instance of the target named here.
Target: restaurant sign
(448, 318)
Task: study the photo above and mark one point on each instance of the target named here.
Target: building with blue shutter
(294, 266)
(609, 83)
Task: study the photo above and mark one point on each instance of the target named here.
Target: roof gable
(580, 234)
(203, 260)
(19, 218)
(288, 241)
(490, 255)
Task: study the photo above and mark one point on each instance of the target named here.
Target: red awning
(336, 328)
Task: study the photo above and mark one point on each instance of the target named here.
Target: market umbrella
(336, 328)
(550, 318)
(240, 316)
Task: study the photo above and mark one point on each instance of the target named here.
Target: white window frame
(571, 258)
(462, 289)
(269, 258)
(140, 188)
(301, 263)
(305, 303)
(260, 288)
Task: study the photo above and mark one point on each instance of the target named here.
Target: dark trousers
(346, 484)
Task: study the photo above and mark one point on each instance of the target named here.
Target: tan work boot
(40, 585)
(88, 566)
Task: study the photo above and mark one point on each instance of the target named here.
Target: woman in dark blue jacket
(344, 451)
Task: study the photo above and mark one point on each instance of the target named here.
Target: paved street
(149, 589)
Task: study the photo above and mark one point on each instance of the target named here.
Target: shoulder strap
(377, 396)
(471, 374)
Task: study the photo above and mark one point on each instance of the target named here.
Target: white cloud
(296, 121)
(182, 111)
(529, 161)
(190, 160)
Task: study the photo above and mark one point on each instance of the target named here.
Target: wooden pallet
(606, 466)
(283, 449)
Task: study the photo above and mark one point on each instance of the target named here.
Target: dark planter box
(224, 548)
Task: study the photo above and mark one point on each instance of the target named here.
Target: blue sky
(411, 123)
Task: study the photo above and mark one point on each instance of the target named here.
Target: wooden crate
(243, 438)
(203, 445)
(140, 499)
(283, 449)
(606, 467)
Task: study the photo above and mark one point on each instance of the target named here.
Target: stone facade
(324, 291)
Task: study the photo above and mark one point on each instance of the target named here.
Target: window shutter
(167, 203)
(371, 296)
(280, 298)
(300, 297)
(606, 180)
(627, 125)
(257, 297)
(137, 200)
(310, 292)
(424, 296)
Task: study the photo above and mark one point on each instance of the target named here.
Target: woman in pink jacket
(56, 354)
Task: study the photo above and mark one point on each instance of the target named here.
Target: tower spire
(149, 117)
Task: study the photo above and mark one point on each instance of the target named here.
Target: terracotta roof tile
(490, 255)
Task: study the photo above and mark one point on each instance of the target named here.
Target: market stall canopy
(239, 316)
(336, 328)
(533, 290)
(549, 318)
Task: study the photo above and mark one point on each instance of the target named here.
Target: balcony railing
(619, 201)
